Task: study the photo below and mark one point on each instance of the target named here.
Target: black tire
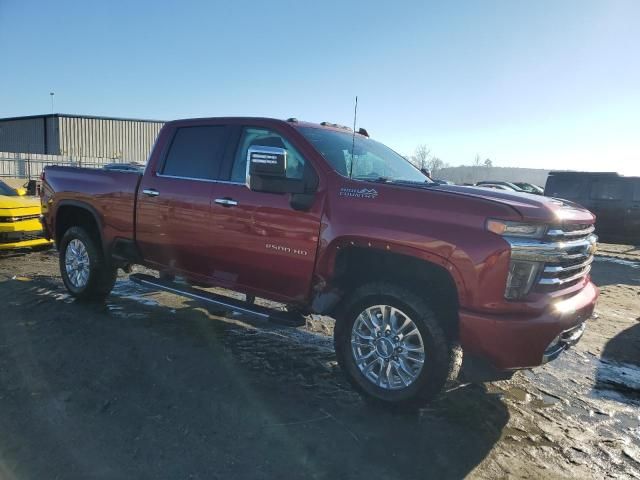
(102, 275)
(442, 358)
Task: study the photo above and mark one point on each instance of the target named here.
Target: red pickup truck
(419, 277)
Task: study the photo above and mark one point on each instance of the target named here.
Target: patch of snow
(619, 261)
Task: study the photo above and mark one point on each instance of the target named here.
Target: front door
(263, 245)
(173, 226)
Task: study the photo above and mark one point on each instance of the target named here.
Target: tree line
(423, 159)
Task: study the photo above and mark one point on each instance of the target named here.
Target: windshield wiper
(415, 182)
(382, 179)
(377, 179)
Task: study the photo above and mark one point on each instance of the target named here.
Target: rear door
(607, 200)
(261, 244)
(632, 214)
(174, 203)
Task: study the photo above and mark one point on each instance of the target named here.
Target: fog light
(521, 277)
(567, 306)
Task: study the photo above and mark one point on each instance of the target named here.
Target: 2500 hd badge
(283, 249)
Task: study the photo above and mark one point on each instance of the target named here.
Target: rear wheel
(391, 346)
(85, 272)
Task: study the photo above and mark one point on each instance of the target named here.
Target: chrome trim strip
(207, 180)
(226, 202)
(562, 281)
(574, 233)
(575, 256)
(151, 192)
(560, 269)
(537, 251)
(566, 339)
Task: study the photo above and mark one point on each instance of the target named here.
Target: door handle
(226, 202)
(151, 192)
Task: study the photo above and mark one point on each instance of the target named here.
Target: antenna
(353, 140)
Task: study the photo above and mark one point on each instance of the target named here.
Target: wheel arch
(73, 213)
(424, 273)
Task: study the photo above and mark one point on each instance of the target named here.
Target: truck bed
(111, 196)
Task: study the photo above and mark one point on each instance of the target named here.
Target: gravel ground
(150, 385)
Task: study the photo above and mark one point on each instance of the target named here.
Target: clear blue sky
(545, 83)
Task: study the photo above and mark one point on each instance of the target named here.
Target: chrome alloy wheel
(76, 262)
(387, 347)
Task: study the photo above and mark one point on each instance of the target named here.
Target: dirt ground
(150, 385)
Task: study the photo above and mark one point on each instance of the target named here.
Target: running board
(290, 319)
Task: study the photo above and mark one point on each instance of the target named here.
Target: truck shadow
(23, 252)
(619, 368)
(133, 390)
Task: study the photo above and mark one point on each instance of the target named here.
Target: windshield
(527, 187)
(7, 190)
(371, 160)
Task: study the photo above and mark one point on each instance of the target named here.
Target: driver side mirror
(21, 191)
(267, 171)
(267, 161)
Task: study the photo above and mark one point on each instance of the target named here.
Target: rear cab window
(567, 187)
(196, 152)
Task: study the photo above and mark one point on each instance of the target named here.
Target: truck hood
(11, 206)
(534, 208)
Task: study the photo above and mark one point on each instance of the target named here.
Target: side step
(290, 319)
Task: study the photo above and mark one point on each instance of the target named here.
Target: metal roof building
(80, 136)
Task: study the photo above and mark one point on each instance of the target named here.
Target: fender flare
(85, 206)
(327, 259)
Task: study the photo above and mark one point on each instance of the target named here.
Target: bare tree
(423, 160)
(420, 156)
(434, 164)
(476, 161)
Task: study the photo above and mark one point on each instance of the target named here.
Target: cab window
(607, 190)
(564, 187)
(196, 153)
(252, 136)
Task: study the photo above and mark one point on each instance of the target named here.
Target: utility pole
(52, 94)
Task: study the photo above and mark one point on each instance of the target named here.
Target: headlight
(521, 277)
(522, 274)
(516, 229)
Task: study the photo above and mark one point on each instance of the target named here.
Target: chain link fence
(30, 165)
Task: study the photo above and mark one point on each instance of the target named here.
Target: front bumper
(39, 242)
(24, 234)
(509, 343)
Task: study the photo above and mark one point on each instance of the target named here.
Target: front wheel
(85, 272)
(391, 346)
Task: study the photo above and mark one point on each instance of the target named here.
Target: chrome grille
(570, 232)
(575, 246)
